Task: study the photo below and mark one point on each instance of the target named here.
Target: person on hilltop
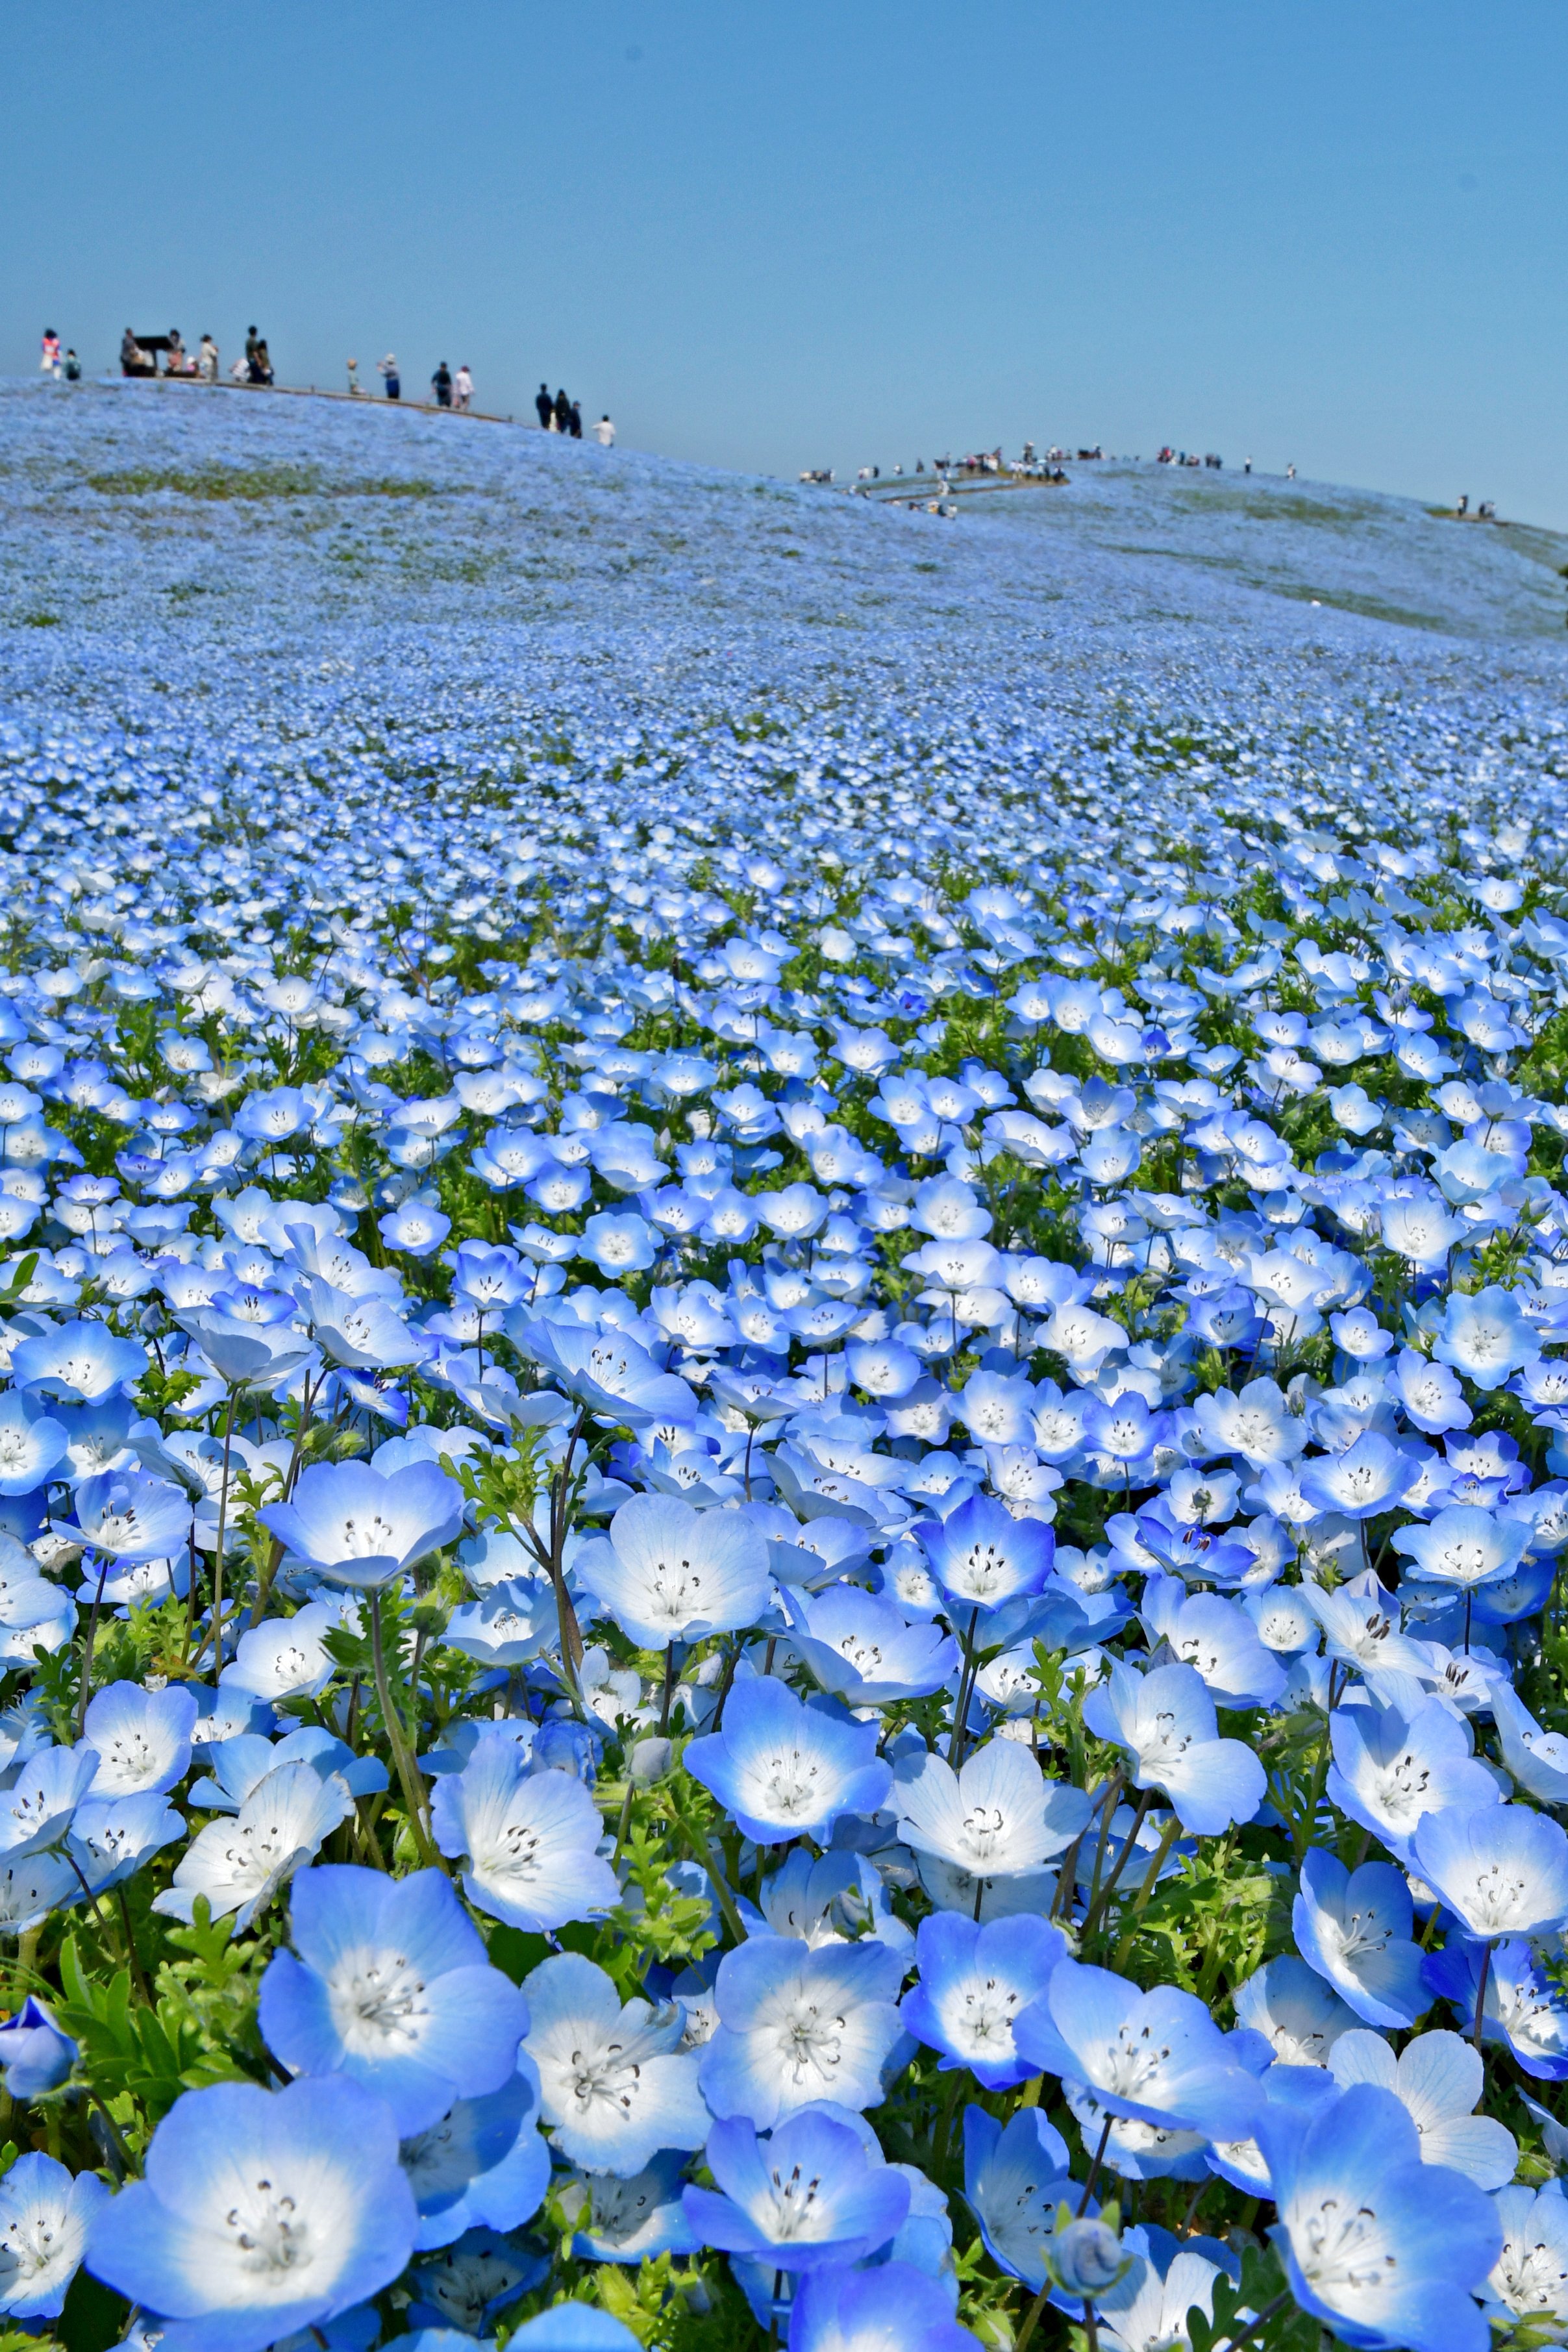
(604, 433)
(51, 362)
(562, 413)
(440, 385)
(73, 368)
(544, 407)
(574, 421)
(387, 369)
(207, 360)
(462, 387)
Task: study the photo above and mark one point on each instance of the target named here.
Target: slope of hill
(251, 583)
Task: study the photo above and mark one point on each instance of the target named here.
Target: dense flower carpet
(784, 1445)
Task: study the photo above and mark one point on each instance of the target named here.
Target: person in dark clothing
(261, 365)
(574, 420)
(543, 407)
(441, 384)
(562, 413)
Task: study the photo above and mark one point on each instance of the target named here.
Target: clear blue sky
(773, 237)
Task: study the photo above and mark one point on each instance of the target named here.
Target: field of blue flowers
(784, 1444)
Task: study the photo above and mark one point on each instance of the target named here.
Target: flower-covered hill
(783, 1406)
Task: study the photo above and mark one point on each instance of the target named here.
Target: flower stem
(413, 1795)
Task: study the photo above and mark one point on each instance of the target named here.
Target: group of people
(563, 415)
(139, 355)
(455, 391)
(52, 363)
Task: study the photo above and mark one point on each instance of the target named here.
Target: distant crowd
(154, 355)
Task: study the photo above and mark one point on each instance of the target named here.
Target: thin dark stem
(1261, 2319)
(1481, 1994)
(1094, 2171)
(1145, 1798)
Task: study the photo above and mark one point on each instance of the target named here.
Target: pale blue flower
(1386, 2249)
(393, 1989)
(803, 2196)
(796, 2026)
(1354, 1928)
(784, 1770)
(615, 2084)
(1439, 2080)
(260, 2212)
(530, 1841)
(1502, 1869)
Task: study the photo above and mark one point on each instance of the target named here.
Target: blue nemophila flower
(1165, 1721)
(1369, 1476)
(530, 1841)
(482, 2165)
(807, 2195)
(1502, 1869)
(1522, 2007)
(1386, 2249)
(143, 1738)
(35, 2054)
(44, 1793)
(129, 1517)
(1464, 1547)
(1440, 2079)
(1354, 1928)
(893, 2307)
(1158, 2057)
(1538, 1759)
(615, 2084)
(238, 1866)
(81, 1363)
(111, 1837)
(1015, 2182)
(796, 2026)
(1216, 1638)
(974, 1983)
(669, 1573)
(1398, 1756)
(46, 2218)
(636, 2221)
(261, 2213)
(358, 1527)
(32, 1444)
(864, 1650)
(1485, 1336)
(784, 1770)
(1528, 2284)
(985, 1834)
(392, 1987)
(982, 1556)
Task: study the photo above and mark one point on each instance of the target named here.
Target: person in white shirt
(604, 433)
(462, 387)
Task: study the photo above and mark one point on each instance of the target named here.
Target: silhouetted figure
(574, 421)
(562, 413)
(544, 407)
(387, 370)
(441, 384)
